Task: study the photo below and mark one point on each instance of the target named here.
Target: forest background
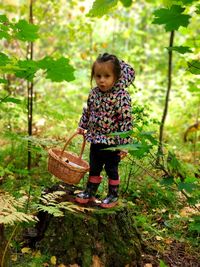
(47, 48)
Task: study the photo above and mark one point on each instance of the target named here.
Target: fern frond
(53, 210)
(52, 197)
(9, 213)
(52, 204)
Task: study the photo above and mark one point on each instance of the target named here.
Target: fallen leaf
(168, 241)
(96, 262)
(26, 250)
(14, 257)
(53, 260)
(37, 254)
(159, 238)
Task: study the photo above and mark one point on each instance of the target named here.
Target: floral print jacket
(109, 112)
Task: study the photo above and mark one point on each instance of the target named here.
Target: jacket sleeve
(124, 112)
(127, 75)
(83, 123)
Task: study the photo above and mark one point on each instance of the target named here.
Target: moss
(109, 234)
(87, 257)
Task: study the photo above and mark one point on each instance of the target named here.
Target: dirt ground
(176, 255)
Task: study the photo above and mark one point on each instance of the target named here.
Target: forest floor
(177, 254)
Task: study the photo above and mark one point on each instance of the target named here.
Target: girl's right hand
(80, 131)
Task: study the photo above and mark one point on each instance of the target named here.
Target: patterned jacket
(109, 112)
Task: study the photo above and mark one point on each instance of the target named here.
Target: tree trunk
(4, 255)
(165, 111)
(91, 236)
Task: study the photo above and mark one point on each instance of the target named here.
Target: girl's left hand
(123, 153)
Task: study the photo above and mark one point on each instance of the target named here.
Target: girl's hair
(104, 58)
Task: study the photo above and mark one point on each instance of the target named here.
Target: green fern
(52, 203)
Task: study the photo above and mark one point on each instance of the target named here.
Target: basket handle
(69, 140)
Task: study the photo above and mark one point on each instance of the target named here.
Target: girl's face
(104, 75)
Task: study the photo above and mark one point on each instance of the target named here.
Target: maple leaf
(4, 27)
(172, 17)
(3, 18)
(126, 3)
(180, 49)
(3, 81)
(4, 59)
(57, 70)
(194, 66)
(198, 9)
(25, 31)
(11, 100)
(27, 69)
(101, 7)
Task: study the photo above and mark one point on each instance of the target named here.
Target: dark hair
(107, 57)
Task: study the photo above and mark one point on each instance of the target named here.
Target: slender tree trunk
(2, 242)
(160, 146)
(30, 90)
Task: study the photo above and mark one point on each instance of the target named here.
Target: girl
(108, 111)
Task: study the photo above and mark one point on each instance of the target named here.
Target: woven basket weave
(70, 172)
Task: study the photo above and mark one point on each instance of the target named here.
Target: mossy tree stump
(90, 235)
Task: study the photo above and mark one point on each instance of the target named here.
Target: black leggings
(99, 158)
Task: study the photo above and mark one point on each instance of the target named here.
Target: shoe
(110, 201)
(85, 197)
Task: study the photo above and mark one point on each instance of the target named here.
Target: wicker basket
(72, 171)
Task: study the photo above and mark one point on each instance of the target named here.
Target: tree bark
(30, 90)
(165, 111)
(4, 255)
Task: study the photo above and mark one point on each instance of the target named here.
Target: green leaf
(180, 49)
(148, 136)
(4, 34)
(189, 187)
(194, 66)
(195, 225)
(4, 59)
(193, 88)
(4, 22)
(187, 2)
(197, 9)
(121, 134)
(25, 31)
(162, 264)
(129, 147)
(193, 200)
(57, 70)
(12, 100)
(172, 162)
(126, 3)
(27, 69)
(172, 18)
(3, 19)
(101, 7)
(3, 81)
(167, 181)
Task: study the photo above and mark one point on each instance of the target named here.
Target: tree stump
(91, 236)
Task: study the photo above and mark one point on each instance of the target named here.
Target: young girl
(108, 111)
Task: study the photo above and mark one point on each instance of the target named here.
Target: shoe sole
(85, 200)
(108, 206)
